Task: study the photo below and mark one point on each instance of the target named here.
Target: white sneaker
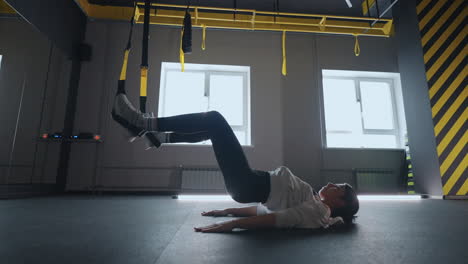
(132, 119)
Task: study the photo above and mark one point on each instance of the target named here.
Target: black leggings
(243, 184)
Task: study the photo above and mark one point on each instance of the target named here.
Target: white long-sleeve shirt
(295, 203)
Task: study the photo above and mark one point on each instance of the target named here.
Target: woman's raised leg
(244, 184)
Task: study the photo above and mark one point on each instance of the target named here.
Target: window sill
(198, 145)
(371, 149)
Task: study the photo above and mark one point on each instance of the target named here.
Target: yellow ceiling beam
(365, 4)
(203, 17)
(267, 27)
(245, 19)
(182, 7)
(6, 8)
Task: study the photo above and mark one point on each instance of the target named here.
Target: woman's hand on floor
(216, 228)
(253, 222)
(216, 213)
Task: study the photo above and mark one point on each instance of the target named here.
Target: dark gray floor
(158, 229)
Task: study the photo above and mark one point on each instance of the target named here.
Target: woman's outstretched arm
(253, 222)
(243, 211)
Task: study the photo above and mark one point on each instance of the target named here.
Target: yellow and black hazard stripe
(442, 24)
(409, 170)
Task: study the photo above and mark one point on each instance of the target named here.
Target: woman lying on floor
(285, 200)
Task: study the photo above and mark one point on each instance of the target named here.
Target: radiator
(377, 180)
(202, 180)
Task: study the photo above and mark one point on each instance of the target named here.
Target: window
(363, 110)
(202, 88)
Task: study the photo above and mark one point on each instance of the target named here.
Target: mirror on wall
(33, 81)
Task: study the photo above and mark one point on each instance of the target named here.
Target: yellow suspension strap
(144, 58)
(357, 49)
(185, 38)
(181, 53)
(144, 68)
(144, 72)
(283, 70)
(203, 46)
(123, 72)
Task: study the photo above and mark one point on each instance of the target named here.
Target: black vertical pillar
(416, 100)
(65, 147)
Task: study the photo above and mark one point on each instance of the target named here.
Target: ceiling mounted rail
(245, 19)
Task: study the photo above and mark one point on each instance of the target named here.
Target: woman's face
(332, 193)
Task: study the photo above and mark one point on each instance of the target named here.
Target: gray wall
(286, 111)
(28, 56)
(416, 99)
(304, 133)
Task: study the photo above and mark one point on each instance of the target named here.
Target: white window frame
(359, 77)
(208, 70)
